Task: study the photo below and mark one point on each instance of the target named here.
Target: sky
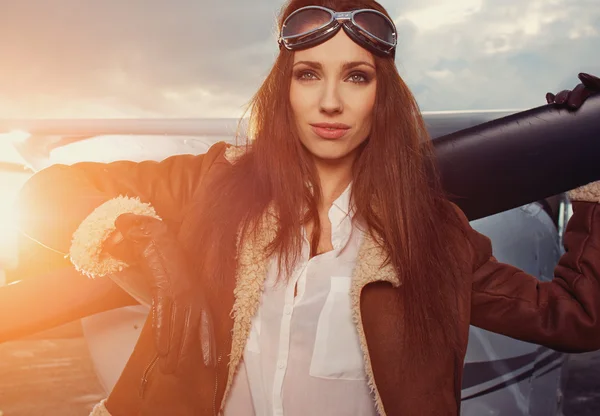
(206, 58)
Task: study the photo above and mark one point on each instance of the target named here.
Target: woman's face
(332, 96)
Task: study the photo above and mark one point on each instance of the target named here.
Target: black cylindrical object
(521, 158)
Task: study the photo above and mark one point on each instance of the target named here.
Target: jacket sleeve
(71, 209)
(564, 313)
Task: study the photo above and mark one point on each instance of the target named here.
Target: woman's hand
(180, 314)
(589, 86)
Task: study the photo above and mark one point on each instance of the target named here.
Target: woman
(319, 271)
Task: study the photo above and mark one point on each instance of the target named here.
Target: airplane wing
(509, 160)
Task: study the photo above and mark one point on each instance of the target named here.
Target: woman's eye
(306, 76)
(358, 78)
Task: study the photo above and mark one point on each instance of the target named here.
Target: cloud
(498, 54)
(148, 55)
(437, 14)
(82, 58)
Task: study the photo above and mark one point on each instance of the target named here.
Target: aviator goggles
(312, 25)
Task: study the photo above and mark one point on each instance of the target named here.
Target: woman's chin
(332, 151)
(331, 154)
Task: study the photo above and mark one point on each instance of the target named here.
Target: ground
(52, 374)
(582, 396)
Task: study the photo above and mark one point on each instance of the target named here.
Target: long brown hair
(395, 191)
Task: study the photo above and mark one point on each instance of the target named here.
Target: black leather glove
(589, 86)
(180, 313)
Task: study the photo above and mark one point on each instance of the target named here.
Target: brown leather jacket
(563, 314)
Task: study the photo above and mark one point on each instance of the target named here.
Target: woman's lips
(330, 131)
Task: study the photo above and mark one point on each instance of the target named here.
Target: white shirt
(303, 354)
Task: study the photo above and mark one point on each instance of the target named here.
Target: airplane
(502, 376)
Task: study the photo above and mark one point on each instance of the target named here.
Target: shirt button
(287, 310)
(281, 365)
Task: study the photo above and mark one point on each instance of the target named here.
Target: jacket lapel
(252, 263)
(370, 267)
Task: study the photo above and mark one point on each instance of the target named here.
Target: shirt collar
(340, 216)
(343, 201)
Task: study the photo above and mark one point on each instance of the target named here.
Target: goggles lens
(376, 25)
(305, 21)
(310, 25)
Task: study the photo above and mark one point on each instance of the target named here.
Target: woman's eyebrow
(354, 64)
(312, 64)
(345, 66)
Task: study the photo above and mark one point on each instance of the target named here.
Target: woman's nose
(331, 101)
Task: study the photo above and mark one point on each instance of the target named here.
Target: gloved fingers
(590, 81)
(135, 227)
(208, 339)
(576, 98)
(115, 238)
(188, 344)
(562, 97)
(117, 247)
(162, 309)
(155, 267)
(180, 319)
